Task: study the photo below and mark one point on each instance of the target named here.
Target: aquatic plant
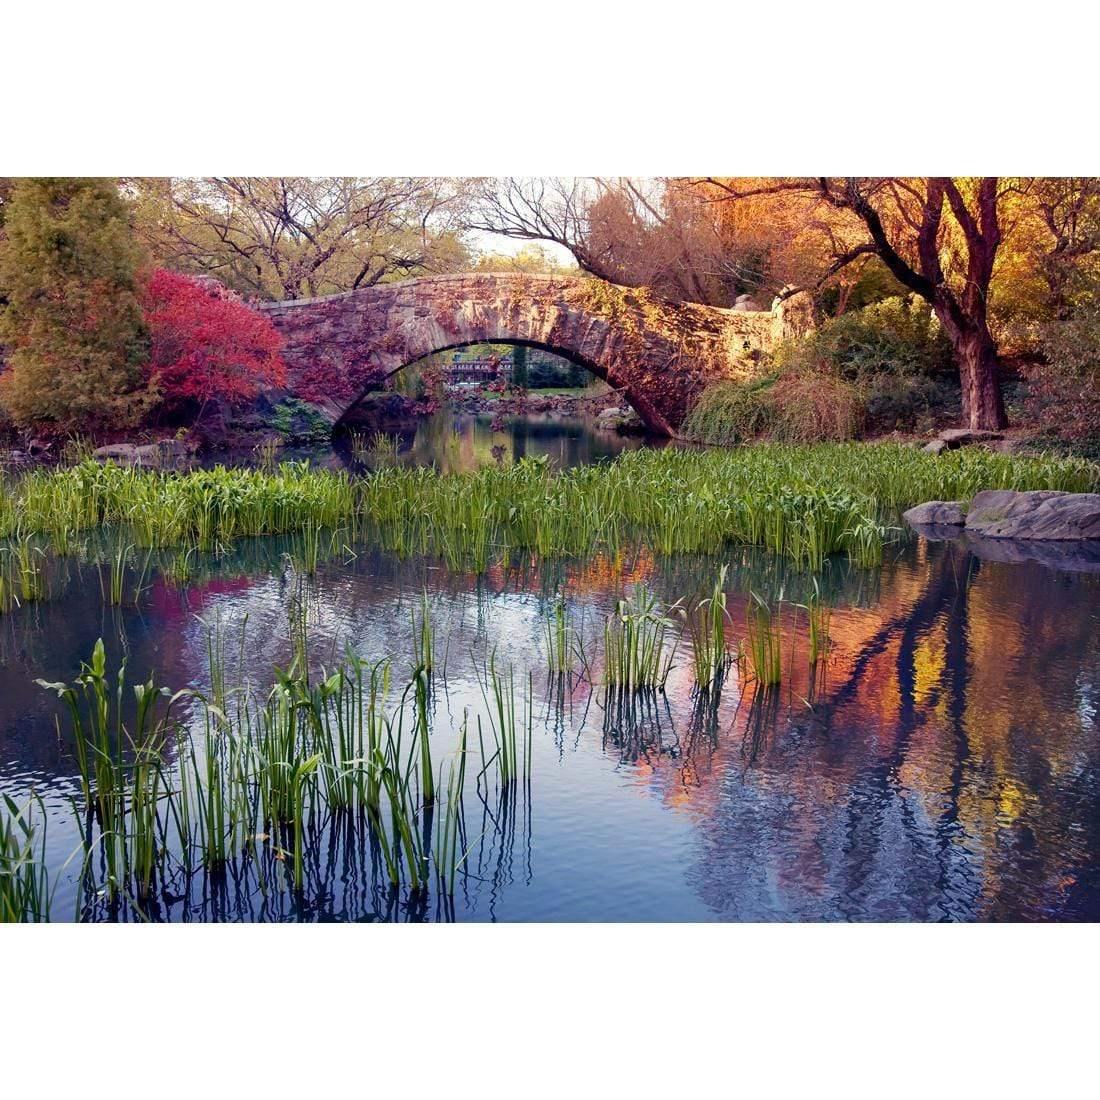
(706, 623)
(505, 722)
(635, 653)
(162, 795)
(423, 637)
(804, 503)
(25, 892)
(818, 620)
(764, 638)
(561, 637)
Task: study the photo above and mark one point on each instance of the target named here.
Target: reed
(764, 638)
(804, 503)
(706, 623)
(819, 617)
(261, 774)
(121, 769)
(506, 722)
(447, 854)
(635, 652)
(561, 638)
(423, 637)
(25, 891)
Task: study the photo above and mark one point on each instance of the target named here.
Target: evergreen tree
(72, 324)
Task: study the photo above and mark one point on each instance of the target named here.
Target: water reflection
(457, 442)
(941, 763)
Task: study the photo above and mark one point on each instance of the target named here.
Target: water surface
(942, 763)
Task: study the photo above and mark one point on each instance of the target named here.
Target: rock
(964, 437)
(951, 438)
(163, 452)
(123, 453)
(744, 303)
(39, 446)
(940, 512)
(619, 420)
(1045, 514)
(174, 448)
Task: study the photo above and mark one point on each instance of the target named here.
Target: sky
(509, 246)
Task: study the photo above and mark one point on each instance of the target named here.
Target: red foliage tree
(207, 345)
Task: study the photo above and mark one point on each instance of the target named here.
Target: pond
(454, 441)
(939, 760)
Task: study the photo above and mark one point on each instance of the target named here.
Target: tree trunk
(975, 354)
(979, 371)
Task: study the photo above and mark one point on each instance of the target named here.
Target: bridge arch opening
(506, 376)
(472, 403)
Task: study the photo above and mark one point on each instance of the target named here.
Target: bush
(207, 345)
(789, 408)
(300, 422)
(729, 413)
(812, 408)
(899, 336)
(72, 324)
(882, 368)
(900, 402)
(1064, 389)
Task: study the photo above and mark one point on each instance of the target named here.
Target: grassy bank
(803, 502)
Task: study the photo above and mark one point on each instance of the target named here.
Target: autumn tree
(298, 237)
(206, 345)
(72, 324)
(939, 237)
(663, 234)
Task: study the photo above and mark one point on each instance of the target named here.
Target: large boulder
(1043, 514)
(939, 512)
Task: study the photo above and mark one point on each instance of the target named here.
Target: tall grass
(241, 773)
(635, 651)
(561, 637)
(25, 891)
(802, 502)
(764, 640)
(706, 621)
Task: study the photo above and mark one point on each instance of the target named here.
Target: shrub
(206, 343)
(728, 413)
(898, 336)
(811, 408)
(1064, 389)
(905, 401)
(792, 408)
(300, 422)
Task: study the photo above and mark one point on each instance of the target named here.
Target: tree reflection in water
(941, 763)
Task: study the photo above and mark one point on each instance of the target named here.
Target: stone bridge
(657, 355)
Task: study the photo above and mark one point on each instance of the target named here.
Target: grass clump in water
(706, 622)
(801, 502)
(635, 652)
(764, 641)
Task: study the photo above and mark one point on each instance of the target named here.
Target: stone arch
(595, 369)
(657, 355)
